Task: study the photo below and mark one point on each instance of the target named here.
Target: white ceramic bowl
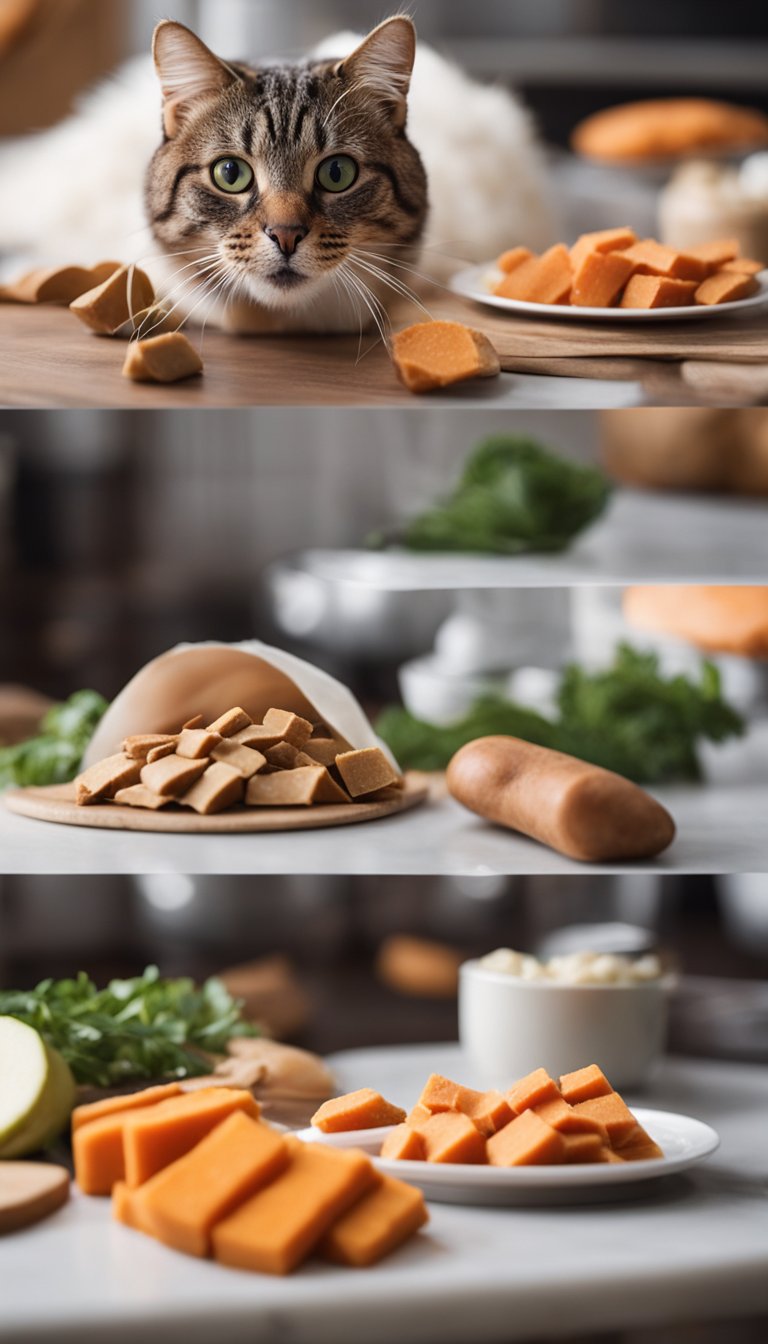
(509, 1026)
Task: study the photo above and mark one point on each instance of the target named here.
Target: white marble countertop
(695, 1249)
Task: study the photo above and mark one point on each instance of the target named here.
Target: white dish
(684, 1141)
(370, 1140)
(472, 283)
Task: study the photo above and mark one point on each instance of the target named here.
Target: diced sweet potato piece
(560, 1115)
(56, 284)
(126, 1209)
(172, 775)
(583, 1147)
(600, 278)
(743, 266)
(98, 1154)
(488, 1111)
(182, 1203)
(603, 240)
(726, 287)
(167, 358)
(526, 1141)
(195, 743)
(544, 279)
(611, 1111)
(219, 788)
(158, 1135)
(652, 258)
(278, 1227)
(293, 788)
(364, 1109)
(134, 1101)
(638, 1146)
(439, 1094)
(655, 291)
(431, 355)
(584, 1084)
(382, 1220)
(247, 761)
(404, 1144)
(450, 1136)
(138, 795)
(607, 1154)
(105, 308)
(532, 1090)
(139, 746)
(509, 261)
(105, 778)
(291, 727)
(234, 721)
(366, 771)
(716, 253)
(418, 1114)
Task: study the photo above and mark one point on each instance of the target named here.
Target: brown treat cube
(168, 358)
(451, 1137)
(726, 287)
(366, 771)
(58, 284)
(195, 743)
(527, 1141)
(230, 723)
(139, 745)
(328, 791)
(103, 779)
(140, 796)
(657, 291)
(404, 1144)
(172, 775)
(287, 788)
(257, 737)
(531, 1091)
(283, 756)
(611, 1111)
(323, 750)
(103, 270)
(583, 1147)
(157, 753)
(218, 788)
(243, 759)
(105, 308)
(197, 721)
(291, 727)
(560, 1115)
(584, 1084)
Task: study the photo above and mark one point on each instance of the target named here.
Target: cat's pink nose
(285, 236)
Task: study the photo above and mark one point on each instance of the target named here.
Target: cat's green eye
(232, 175)
(338, 173)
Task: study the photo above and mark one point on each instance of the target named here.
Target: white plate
(473, 283)
(684, 1141)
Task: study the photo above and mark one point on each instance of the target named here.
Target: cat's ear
(187, 71)
(383, 63)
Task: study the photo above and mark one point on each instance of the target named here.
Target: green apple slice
(50, 1113)
(24, 1069)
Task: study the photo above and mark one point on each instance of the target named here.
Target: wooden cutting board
(57, 804)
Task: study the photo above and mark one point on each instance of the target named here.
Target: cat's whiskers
(353, 88)
(372, 302)
(394, 283)
(205, 274)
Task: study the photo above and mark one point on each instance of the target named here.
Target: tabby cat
(288, 197)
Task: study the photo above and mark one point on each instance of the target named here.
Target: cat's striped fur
(285, 254)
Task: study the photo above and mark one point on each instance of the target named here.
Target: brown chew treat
(195, 743)
(168, 358)
(103, 779)
(366, 771)
(29, 1192)
(584, 1085)
(726, 287)
(432, 355)
(323, 750)
(230, 723)
(293, 788)
(157, 753)
(544, 279)
(667, 127)
(291, 727)
(197, 721)
(654, 291)
(364, 1109)
(220, 787)
(139, 746)
(580, 810)
(600, 278)
(243, 759)
(103, 270)
(138, 795)
(374, 1227)
(509, 261)
(60, 285)
(604, 240)
(451, 1137)
(404, 1144)
(533, 1090)
(172, 775)
(285, 757)
(257, 737)
(527, 1141)
(105, 308)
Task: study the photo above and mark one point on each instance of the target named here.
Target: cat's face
(281, 183)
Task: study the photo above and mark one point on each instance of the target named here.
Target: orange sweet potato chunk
(716, 253)
(404, 1144)
(532, 1090)
(638, 1146)
(149, 1096)
(525, 1142)
(488, 1111)
(440, 1094)
(725, 287)
(364, 1109)
(430, 355)
(600, 278)
(155, 1137)
(652, 258)
(544, 279)
(583, 1147)
(382, 1220)
(509, 261)
(126, 1208)
(561, 1116)
(603, 240)
(655, 291)
(278, 1228)
(743, 266)
(451, 1137)
(584, 1084)
(182, 1203)
(612, 1112)
(97, 1150)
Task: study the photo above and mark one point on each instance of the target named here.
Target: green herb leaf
(55, 756)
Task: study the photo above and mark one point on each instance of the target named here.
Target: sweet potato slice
(509, 261)
(584, 1084)
(655, 291)
(158, 1135)
(612, 1112)
(638, 1146)
(584, 1147)
(404, 1144)
(526, 1141)
(652, 258)
(364, 1109)
(544, 279)
(488, 1111)
(376, 1225)
(600, 278)
(726, 287)
(167, 358)
(99, 1157)
(450, 1136)
(716, 253)
(532, 1090)
(134, 1101)
(603, 240)
(431, 355)
(275, 1230)
(562, 1116)
(743, 266)
(439, 1094)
